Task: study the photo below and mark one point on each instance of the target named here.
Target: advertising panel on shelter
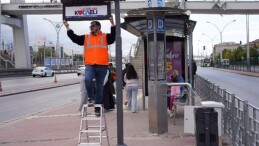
(173, 58)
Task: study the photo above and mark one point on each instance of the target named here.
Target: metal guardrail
(189, 86)
(58, 1)
(133, 50)
(240, 66)
(240, 118)
(63, 71)
(6, 62)
(32, 1)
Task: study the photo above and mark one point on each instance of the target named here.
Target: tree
(253, 52)
(239, 53)
(228, 54)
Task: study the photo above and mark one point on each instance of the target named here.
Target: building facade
(225, 45)
(42, 42)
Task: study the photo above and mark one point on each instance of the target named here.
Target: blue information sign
(150, 25)
(160, 25)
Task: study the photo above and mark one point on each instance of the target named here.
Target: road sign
(160, 25)
(80, 2)
(155, 3)
(150, 25)
(90, 11)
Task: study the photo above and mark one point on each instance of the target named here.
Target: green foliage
(253, 52)
(237, 54)
(78, 57)
(228, 54)
(217, 57)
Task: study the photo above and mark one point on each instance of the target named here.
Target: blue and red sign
(98, 11)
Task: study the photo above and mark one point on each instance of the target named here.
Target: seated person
(183, 89)
(179, 78)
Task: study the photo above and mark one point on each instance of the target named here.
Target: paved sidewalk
(60, 127)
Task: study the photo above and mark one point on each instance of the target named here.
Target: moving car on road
(205, 62)
(80, 69)
(43, 72)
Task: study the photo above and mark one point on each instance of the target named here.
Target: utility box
(206, 126)
(218, 107)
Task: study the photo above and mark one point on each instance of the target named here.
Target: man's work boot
(97, 112)
(90, 102)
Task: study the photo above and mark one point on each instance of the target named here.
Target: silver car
(43, 72)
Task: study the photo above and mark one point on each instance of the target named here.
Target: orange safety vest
(96, 49)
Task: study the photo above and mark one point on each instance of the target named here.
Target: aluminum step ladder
(92, 126)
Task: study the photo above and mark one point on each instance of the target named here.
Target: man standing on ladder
(95, 55)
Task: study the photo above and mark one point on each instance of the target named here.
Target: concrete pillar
(21, 45)
(21, 42)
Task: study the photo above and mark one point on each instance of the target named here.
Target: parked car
(80, 69)
(43, 72)
(225, 62)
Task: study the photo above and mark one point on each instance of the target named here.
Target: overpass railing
(58, 1)
(7, 63)
(240, 119)
(32, 1)
(133, 50)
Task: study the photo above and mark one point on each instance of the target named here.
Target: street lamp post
(57, 26)
(44, 54)
(211, 40)
(220, 33)
(247, 45)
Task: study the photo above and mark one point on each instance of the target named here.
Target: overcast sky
(39, 27)
(234, 32)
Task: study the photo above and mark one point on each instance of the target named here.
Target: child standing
(175, 92)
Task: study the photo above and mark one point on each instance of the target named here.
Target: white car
(80, 69)
(43, 72)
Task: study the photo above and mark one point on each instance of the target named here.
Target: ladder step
(89, 115)
(103, 128)
(90, 131)
(96, 126)
(89, 144)
(103, 136)
(94, 105)
(90, 118)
